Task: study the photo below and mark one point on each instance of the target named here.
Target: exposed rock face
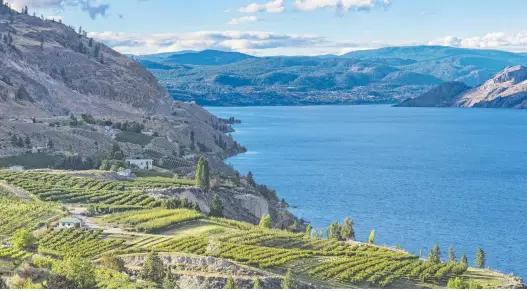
(507, 89)
(64, 72)
(443, 95)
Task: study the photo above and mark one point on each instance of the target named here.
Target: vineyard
(16, 214)
(172, 163)
(78, 242)
(13, 254)
(153, 220)
(135, 138)
(69, 189)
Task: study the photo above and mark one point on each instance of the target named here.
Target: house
(70, 223)
(16, 168)
(145, 164)
(38, 149)
(148, 132)
(125, 173)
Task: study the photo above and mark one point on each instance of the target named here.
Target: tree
(435, 255)
(250, 179)
(192, 142)
(459, 283)
(23, 239)
(153, 269)
(265, 222)
(451, 254)
(347, 232)
(288, 281)
(27, 141)
(169, 281)
(59, 282)
(257, 284)
(230, 284)
(464, 260)
(203, 173)
(371, 238)
(195, 206)
(309, 229)
(50, 144)
(480, 258)
(216, 209)
(78, 270)
(114, 263)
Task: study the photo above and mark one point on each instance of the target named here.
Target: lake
(418, 176)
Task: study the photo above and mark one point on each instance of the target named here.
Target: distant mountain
(202, 58)
(387, 75)
(507, 89)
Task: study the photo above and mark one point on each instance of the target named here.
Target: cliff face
(507, 89)
(47, 68)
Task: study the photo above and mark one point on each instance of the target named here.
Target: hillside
(387, 75)
(507, 89)
(202, 58)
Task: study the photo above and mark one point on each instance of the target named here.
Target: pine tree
(371, 239)
(451, 254)
(153, 269)
(168, 282)
(229, 284)
(309, 229)
(437, 254)
(216, 209)
(50, 144)
(27, 141)
(288, 281)
(480, 258)
(265, 222)
(257, 284)
(250, 179)
(464, 260)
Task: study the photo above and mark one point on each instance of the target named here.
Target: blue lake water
(418, 176)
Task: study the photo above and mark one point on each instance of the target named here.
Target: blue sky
(291, 27)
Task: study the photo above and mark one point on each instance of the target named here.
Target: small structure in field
(38, 149)
(71, 222)
(125, 173)
(16, 168)
(145, 164)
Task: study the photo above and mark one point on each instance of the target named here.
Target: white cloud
(276, 6)
(496, 40)
(341, 5)
(236, 21)
(92, 7)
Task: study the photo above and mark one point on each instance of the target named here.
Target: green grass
(135, 138)
(168, 180)
(30, 161)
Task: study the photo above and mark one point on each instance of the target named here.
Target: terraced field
(79, 242)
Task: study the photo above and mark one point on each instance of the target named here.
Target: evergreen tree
(27, 141)
(347, 231)
(50, 144)
(250, 179)
(202, 173)
(195, 206)
(434, 256)
(480, 258)
(371, 238)
(288, 281)
(153, 269)
(169, 281)
(265, 222)
(230, 284)
(216, 209)
(464, 260)
(451, 254)
(309, 229)
(257, 284)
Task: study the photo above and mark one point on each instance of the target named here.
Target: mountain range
(387, 75)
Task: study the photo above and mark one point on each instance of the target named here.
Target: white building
(125, 173)
(38, 149)
(148, 132)
(145, 164)
(70, 223)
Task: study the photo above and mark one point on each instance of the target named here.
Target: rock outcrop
(443, 95)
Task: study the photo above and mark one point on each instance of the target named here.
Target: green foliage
(60, 282)
(134, 137)
(257, 284)
(434, 257)
(12, 254)
(23, 239)
(265, 222)
(250, 179)
(451, 254)
(203, 173)
(288, 281)
(341, 232)
(154, 220)
(78, 270)
(153, 269)
(309, 229)
(30, 160)
(480, 258)
(16, 214)
(230, 284)
(77, 242)
(169, 281)
(216, 209)
(112, 262)
(464, 260)
(371, 238)
(459, 283)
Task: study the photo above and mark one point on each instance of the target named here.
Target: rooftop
(70, 220)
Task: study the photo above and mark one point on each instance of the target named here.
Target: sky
(291, 27)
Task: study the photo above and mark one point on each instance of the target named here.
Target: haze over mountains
(386, 75)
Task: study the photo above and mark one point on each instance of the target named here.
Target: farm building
(145, 164)
(70, 223)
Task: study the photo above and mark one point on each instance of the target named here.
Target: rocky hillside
(48, 68)
(507, 89)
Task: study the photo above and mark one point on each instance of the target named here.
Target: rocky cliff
(507, 89)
